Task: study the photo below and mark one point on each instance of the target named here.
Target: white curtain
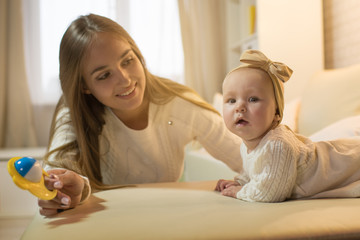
(16, 117)
(204, 42)
(159, 37)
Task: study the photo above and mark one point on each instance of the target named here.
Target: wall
(43, 115)
(292, 32)
(341, 32)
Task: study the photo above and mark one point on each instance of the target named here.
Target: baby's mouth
(241, 122)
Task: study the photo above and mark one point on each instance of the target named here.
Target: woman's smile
(128, 92)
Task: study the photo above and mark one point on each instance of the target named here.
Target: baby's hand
(223, 184)
(231, 191)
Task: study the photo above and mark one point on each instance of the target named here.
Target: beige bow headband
(278, 72)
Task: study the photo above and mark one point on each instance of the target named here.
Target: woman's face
(114, 75)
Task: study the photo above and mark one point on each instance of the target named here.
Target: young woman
(116, 123)
(279, 164)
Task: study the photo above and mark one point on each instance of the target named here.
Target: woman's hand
(69, 186)
(223, 184)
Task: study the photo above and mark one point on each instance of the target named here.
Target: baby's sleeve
(273, 176)
(242, 178)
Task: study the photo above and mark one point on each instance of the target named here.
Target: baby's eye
(103, 76)
(231, 100)
(253, 99)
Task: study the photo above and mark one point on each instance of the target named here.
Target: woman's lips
(128, 92)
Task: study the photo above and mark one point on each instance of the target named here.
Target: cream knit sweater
(289, 166)
(156, 154)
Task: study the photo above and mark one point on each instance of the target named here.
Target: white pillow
(331, 95)
(291, 114)
(347, 127)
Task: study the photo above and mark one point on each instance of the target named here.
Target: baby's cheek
(227, 116)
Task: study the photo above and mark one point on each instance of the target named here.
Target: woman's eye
(127, 61)
(103, 76)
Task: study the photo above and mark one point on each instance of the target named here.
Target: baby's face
(249, 106)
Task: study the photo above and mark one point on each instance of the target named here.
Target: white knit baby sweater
(285, 165)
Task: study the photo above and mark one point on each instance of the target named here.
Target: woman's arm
(72, 187)
(213, 135)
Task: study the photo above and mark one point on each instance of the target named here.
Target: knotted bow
(257, 59)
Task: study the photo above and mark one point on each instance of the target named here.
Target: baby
(279, 164)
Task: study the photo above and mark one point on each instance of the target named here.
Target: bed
(192, 210)
(329, 108)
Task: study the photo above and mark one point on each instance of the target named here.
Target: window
(154, 25)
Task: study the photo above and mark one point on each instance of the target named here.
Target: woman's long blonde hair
(86, 112)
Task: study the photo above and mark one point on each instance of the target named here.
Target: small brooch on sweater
(170, 122)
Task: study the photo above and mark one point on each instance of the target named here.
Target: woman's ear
(85, 90)
(277, 117)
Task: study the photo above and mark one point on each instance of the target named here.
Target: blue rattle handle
(27, 174)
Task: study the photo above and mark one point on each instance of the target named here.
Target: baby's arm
(223, 184)
(231, 191)
(275, 175)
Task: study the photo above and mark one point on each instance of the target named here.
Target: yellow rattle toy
(27, 174)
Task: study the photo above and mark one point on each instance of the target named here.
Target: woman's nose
(123, 77)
